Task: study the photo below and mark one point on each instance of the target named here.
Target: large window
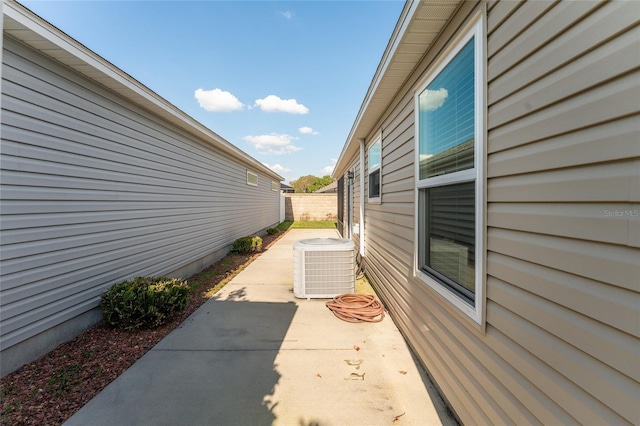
(374, 154)
(449, 117)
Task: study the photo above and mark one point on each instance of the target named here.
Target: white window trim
(256, 178)
(474, 29)
(378, 199)
(275, 186)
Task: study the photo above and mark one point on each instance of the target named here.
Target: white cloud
(273, 143)
(272, 103)
(307, 131)
(278, 168)
(287, 14)
(425, 157)
(218, 100)
(329, 169)
(433, 99)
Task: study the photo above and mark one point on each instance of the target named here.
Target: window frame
(474, 30)
(372, 170)
(275, 186)
(251, 174)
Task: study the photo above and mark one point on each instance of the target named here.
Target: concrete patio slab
(266, 271)
(348, 387)
(256, 355)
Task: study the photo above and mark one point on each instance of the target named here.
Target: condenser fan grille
(328, 272)
(323, 267)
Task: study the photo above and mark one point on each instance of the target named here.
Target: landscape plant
(144, 302)
(245, 245)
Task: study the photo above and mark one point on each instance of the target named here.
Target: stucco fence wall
(311, 207)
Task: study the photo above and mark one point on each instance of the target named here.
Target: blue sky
(283, 81)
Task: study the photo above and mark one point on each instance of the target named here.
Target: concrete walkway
(256, 355)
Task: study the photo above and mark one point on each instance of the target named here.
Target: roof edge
(398, 32)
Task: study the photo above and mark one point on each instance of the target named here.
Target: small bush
(246, 245)
(272, 231)
(256, 243)
(241, 245)
(145, 302)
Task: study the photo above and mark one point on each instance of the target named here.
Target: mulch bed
(51, 389)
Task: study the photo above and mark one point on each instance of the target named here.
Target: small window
(252, 178)
(275, 186)
(449, 139)
(374, 153)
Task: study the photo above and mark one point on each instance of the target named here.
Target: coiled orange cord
(352, 307)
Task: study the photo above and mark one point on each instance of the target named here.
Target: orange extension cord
(353, 307)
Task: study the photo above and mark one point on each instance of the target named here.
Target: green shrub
(242, 245)
(246, 245)
(256, 243)
(272, 231)
(145, 302)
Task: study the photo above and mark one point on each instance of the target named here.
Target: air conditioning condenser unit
(323, 267)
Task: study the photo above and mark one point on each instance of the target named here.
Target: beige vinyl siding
(96, 190)
(389, 225)
(561, 340)
(562, 152)
(355, 208)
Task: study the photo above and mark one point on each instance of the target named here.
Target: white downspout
(362, 147)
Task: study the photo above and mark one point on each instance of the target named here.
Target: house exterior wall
(560, 341)
(95, 190)
(356, 228)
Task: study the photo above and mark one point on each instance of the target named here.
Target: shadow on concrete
(442, 407)
(217, 368)
(235, 295)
